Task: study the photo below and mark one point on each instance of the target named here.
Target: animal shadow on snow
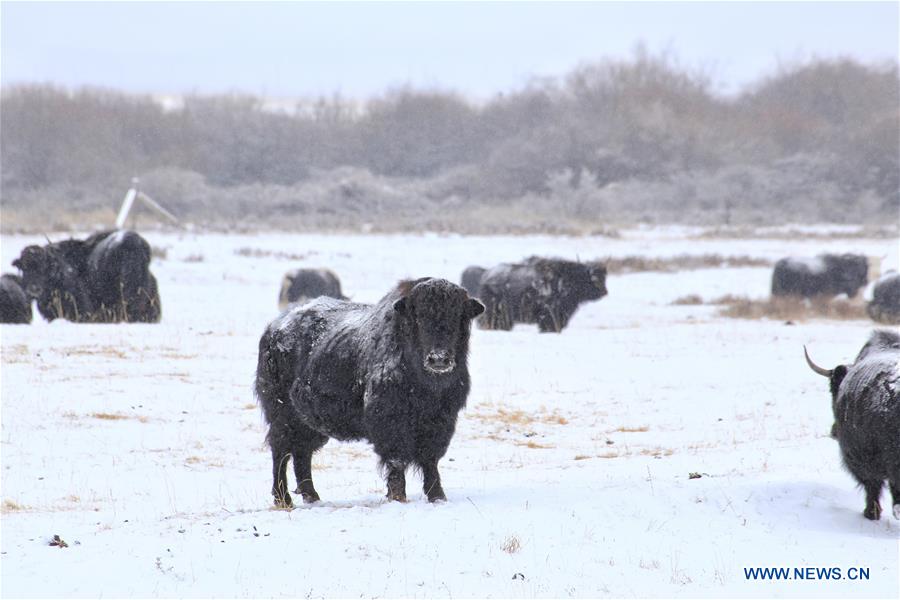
(807, 505)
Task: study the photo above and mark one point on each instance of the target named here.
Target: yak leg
(280, 457)
(431, 481)
(873, 493)
(396, 481)
(895, 496)
(303, 472)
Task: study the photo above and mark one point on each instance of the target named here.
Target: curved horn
(815, 367)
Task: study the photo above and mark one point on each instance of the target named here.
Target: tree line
(629, 139)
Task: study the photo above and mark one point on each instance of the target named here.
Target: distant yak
(103, 279)
(545, 291)
(824, 275)
(865, 399)
(471, 280)
(393, 373)
(15, 305)
(885, 304)
(301, 285)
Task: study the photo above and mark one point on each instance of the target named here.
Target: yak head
(597, 275)
(39, 266)
(853, 273)
(435, 317)
(584, 281)
(835, 378)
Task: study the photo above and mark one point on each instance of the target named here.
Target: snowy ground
(142, 446)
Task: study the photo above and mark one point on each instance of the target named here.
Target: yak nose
(439, 361)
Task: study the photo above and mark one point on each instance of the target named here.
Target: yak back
(867, 401)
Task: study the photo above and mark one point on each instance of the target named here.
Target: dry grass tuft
(194, 258)
(682, 262)
(640, 429)
(511, 545)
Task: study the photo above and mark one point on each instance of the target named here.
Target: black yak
(544, 291)
(301, 285)
(825, 275)
(102, 279)
(865, 399)
(15, 305)
(471, 280)
(393, 373)
(885, 304)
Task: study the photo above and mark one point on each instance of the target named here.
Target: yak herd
(395, 372)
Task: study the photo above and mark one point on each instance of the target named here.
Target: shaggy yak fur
(885, 304)
(471, 280)
(102, 279)
(301, 285)
(393, 373)
(544, 291)
(865, 398)
(825, 275)
(15, 306)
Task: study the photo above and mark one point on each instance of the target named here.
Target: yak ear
(401, 305)
(473, 308)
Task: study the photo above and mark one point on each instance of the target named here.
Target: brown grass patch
(520, 417)
(793, 309)
(117, 417)
(640, 429)
(109, 416)
(260, 253)
(658, 451)
(96, 351)
(249, 406)
(689, 300)
(747, 233)
(582, 457)
(9, 506)
(535, 445)
(15, 353)
(682, 262)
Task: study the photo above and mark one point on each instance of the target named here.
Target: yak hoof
(284, 503)
(873, 512)
(897, 511)
(397, 496)
(309, 498)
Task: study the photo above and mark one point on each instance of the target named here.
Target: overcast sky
(361, 49)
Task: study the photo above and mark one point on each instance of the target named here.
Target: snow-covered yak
(103, 279)
(865, 398)
(301, 285)
(885, 304)
(545, 291)
(15, 306)
(471, 279)
(393, 373)
(824, 275)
